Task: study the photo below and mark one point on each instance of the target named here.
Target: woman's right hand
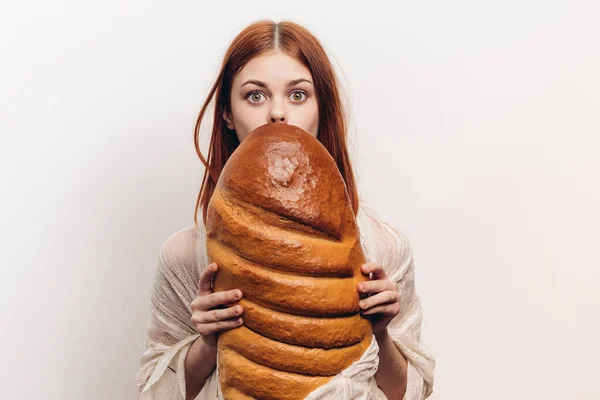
(208, 315)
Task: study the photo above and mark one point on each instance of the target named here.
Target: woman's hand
(208, 314)
(383, 304)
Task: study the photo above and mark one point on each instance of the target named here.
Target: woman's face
(272, 87)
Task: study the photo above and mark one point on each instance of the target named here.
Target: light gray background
(475, 130)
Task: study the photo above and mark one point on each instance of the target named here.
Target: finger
(380, 298)
(204, 285)
(215, 315)
(219, 298)
(377, 286)
(213, 327)
(376, 269)
(388, 309)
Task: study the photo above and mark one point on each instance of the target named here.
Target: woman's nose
(277, 115)
(277, 118)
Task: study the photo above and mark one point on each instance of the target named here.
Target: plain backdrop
(475, 129)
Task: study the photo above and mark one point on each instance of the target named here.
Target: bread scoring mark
(304, 331)
(277, 248)
(267, 217)
(291, 358)
(313, 296)
(262, 382)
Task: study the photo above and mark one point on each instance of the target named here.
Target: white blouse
(170, 332)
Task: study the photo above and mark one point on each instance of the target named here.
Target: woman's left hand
(383, 304)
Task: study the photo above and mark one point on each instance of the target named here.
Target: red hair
(296, 41)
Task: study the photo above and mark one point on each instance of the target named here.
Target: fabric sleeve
(170, 331)
(395, 254)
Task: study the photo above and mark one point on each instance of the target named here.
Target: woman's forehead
(274, 69)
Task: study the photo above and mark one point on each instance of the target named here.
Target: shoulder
(178, 250)
(381, 222)
(390, 241)
(176, 277)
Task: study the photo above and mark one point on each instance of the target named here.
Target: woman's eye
(254, 96)
(297, 96)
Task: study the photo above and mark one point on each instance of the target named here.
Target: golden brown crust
(283, 169)
(282, 230)
(291, 358)
(266, 240)
(303, 295)
(231, 393)
(262, 382)
(304, 331)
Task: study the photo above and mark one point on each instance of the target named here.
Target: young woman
(279, 72)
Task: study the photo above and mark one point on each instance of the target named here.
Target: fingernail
(240, 321)
(238, 310)
(361, 304)
(238, 294)
(361, 287)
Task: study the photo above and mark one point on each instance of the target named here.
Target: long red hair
(296, 41)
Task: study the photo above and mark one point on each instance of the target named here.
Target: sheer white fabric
(170, 331)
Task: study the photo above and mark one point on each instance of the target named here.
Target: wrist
(199, 351)
(206, 348)
(382, 335)
(209, 342)
(200, 361)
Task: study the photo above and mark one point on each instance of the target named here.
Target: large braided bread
(281, 228)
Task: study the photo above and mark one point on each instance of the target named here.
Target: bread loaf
(281, 228)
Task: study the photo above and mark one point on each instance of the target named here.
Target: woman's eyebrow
(266, 85)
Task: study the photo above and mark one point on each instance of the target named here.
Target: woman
(278, 72)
